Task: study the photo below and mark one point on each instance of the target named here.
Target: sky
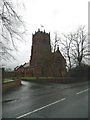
(63, 16)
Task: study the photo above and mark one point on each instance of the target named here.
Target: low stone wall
(10, 85)
(66, 80)
(58, 80)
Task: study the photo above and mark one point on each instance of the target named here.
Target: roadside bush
(80, 72)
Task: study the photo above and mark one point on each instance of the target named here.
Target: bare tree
(66, 45)
(12, 29)
(80, 51)
(56, 41)
(75, 47)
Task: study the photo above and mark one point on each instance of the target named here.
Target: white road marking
(81, 91)
(40, 108)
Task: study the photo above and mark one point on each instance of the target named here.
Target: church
(43, 62)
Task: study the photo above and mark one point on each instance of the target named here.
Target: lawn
(7, 80)
(28, 78)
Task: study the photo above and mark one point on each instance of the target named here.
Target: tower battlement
(40, 33)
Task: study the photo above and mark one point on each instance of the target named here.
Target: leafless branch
(10, 23)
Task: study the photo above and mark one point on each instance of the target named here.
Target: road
(46, 100)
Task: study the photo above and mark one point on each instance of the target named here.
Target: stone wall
(66, 80)
(10, 85)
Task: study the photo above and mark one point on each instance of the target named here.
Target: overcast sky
(62, 16)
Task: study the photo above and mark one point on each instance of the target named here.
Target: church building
(43, 62)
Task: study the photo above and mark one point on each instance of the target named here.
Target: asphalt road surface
(46, 100)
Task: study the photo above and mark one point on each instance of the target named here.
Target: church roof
(58, 54)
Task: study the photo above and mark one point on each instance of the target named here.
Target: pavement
(46, 100)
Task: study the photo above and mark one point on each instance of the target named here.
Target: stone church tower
(41, 48)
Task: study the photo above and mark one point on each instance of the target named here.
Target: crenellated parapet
(40, 32)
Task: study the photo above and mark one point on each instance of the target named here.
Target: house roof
(26, 65)
(22, 66)
(58, 54)
(18, 67)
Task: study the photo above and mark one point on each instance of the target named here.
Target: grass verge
(38, 78)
